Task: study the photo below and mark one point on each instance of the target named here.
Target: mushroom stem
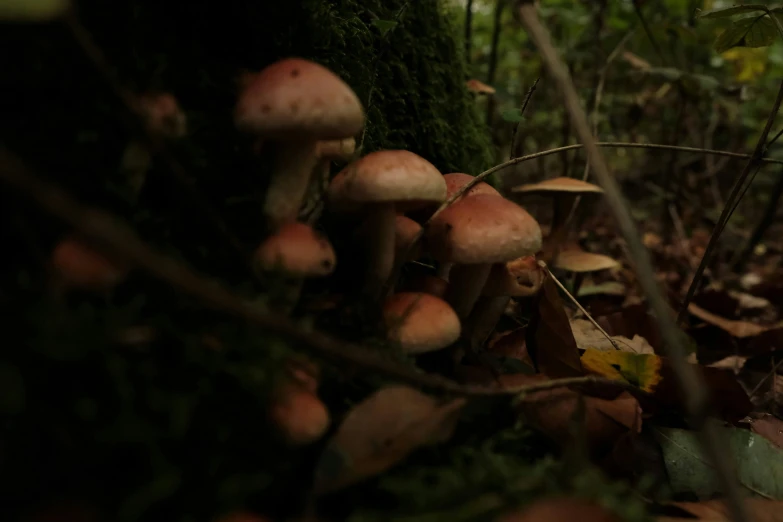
(379, 225)
(466, 283)
(314, 205)
(294, 165)
(484, 319)
(443, 270)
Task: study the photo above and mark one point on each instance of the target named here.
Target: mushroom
(381, 184)
(454, 182)
(564, 192)
(163, 120)
(478, 87)
(474, 233)
(299, 251)
(521, 277)
(299, 414)
(78, 265)
(406, 231)
(420, 322)
(581, 262)
(296, 103)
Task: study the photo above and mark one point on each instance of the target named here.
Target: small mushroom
(564, 192)
(581, 263)
(77, 265)
(474, 233)
(297, 250)
(380, 185)
(454, 182)
(296, 103)
(299, 414)
(420, 322)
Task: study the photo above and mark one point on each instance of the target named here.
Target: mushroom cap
(420, 322)
(561, 184)
(336, 149)
(388, 176)
(517, 278)
(483, 229)
(299, 414)
(295, 98)
(297, 249)
(405, 230)
(581, 261)
(80, 266)
(457, 180)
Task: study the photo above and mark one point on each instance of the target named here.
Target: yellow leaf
(749, 62)
(642, 370)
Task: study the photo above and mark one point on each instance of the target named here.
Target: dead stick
(691, 383)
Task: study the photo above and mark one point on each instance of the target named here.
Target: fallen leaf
(739, 329)
(642, 370)
(732, 362)
(749, 302)
(587, 336)
(553, 411)
(560, 509)
(769, 427)
(759, 462)
(631, 321)
(510, 344)
(759, 509)
(380, 432)
(550, 343)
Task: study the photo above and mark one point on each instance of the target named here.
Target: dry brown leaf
(550, 343)
(381, 431)
(552, 412)
(739, 329)
(587, 336)
(761, 510)
(732, 362)
(769, 427)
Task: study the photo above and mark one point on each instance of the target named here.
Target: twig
(578, 305)
(691, 383)
(755, 161)
(647, 30)
(109, 233)
(102, 65)
(518, 128)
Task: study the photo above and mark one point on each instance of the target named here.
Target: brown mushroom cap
(420, 322)
(517, 278)
(562, 184)
(581, 261)
(388, 176)
(296, 98)
(405, 231)
(457, 180)
(336, 149)
(483, 229)
(297, 249)
(81, 266)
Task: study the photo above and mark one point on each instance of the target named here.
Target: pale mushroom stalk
(288, 184)
(466, 283)
(380, 246)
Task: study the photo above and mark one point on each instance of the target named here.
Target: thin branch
(736, 190)
(691, 383)
(578, 305)
(518, 128)
(111, 234)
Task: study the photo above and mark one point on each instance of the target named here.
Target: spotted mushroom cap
(295, 98)
(457, 180)
(562, 184)
(483, 229)
(298, 249)
(420, 322)
(388, 176)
